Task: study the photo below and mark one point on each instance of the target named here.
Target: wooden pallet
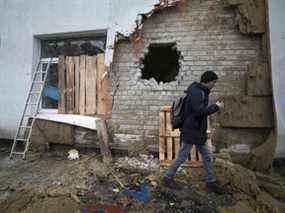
(169, 142)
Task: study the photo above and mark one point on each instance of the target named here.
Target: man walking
(194, 130)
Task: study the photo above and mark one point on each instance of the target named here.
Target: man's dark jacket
(196, 110)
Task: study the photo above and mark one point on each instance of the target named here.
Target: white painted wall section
(277, 42)
(21, 21)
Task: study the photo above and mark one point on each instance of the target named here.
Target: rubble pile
(143, 162)
(249, 188)
(46, 183)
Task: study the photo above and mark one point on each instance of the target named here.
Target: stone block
(258, 80)
(52, 132)
(246, 111)
(85, 136)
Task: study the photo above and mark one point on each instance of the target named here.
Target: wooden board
(82, 86)
(161, 135)
(246, 111)
(176, 146)
(90, 83)
(76, 83)
(169, 140)
(104, 141)
(102, 86)
(70, 100)
(61, 85)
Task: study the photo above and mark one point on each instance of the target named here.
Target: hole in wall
(161, 62)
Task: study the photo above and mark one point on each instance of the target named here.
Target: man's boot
(170, 183)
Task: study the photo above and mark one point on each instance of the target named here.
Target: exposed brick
(207, 39)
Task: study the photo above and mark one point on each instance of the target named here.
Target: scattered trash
(146, 162)
(116, 190)
(51, 92)
(141, 195)
(154, 184)
(57, 183)
(73, 154)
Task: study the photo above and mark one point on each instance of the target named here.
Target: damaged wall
(36, 20)
(276, 10)
(207, 37)
(225, 36)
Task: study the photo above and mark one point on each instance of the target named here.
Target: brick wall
(206, 36)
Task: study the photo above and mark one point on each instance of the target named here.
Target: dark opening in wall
(73, 46)
(161, 62)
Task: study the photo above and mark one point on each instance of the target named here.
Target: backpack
(177, 111)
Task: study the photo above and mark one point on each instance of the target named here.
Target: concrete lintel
(88, 122)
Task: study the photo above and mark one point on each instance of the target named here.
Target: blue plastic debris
(142, 195)
(51, 92)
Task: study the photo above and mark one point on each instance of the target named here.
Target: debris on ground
(73, 154)
(142, 162)
(50, 183)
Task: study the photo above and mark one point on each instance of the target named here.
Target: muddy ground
(47, 182)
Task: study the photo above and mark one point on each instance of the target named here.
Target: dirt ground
(47, 182)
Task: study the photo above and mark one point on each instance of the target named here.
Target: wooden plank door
(83, 85)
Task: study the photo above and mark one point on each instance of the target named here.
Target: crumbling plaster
(124, 25)
(250, 15)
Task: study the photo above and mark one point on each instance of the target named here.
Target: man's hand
(220, 104)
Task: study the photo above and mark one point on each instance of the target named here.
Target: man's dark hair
(208, 76)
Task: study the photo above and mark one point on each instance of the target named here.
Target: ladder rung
(31, 116)
(51, 60)
(18, 153)
(35, 92)
(38, 82)
(40, 74)
(27, 127)
(21, 139)
(32, 103)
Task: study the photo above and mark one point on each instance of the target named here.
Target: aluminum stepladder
(31, 108)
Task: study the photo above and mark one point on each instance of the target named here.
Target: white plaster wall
(22, 20)
(277, 43)
(124, 15)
